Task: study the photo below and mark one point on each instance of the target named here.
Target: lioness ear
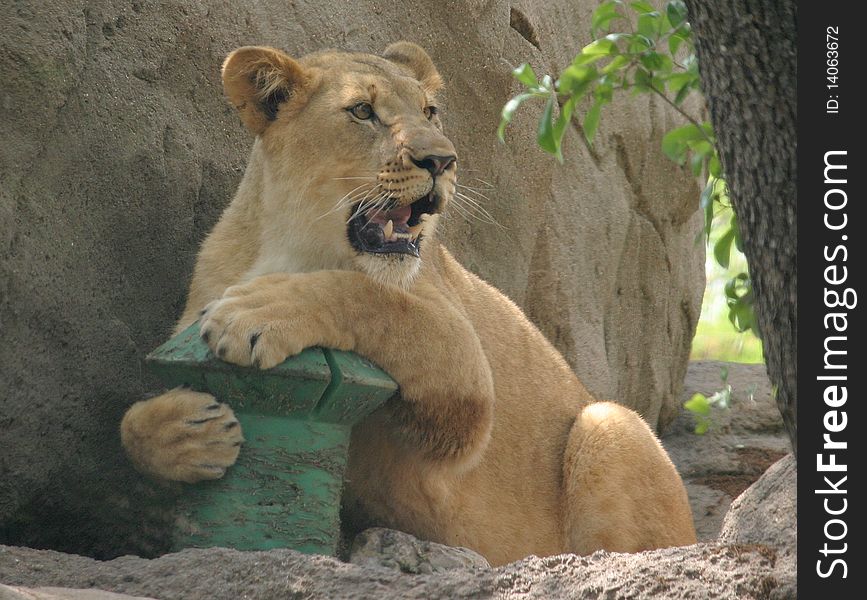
(414, 58)
(257, 80)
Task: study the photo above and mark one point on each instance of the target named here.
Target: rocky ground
(747, 551)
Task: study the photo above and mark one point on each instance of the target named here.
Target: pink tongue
(399, 215)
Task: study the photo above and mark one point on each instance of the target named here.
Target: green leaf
(678, 81)
(730, 289)
(721, 190)
(696, 162)
(509, 112)
(723, 248)
(698, 404)
(675, 10)
(616, 63)
(738, 242)
(701, 147)
(616, 37)
(642, 79)
(603, 15)
(642, 7)
(591, 121)
(714, 166)
(576, 80)
(525, 75)
(706, 204)
(545, 133)
(674, 42)
(653, 61)
(702, 426)
(604, 91)
(675, 142)
(737, 287)
(681, 95)
(741, 315)
(563, 120)
(639, 43)
(649, 24)
(667, 65)
(596, 50)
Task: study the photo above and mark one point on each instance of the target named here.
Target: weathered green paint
(296, 385)
(357, 388)
(284, 491)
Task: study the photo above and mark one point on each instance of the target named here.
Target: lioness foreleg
(446, 388)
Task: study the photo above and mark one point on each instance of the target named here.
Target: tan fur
(493, 444)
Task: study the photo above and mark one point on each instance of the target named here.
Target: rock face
(119, 154)
(767, 514)
(52, 593)
(397, 550)
(701, 571)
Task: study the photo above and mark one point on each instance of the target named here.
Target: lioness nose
(435, 164)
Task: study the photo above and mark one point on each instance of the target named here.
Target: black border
(820, 132)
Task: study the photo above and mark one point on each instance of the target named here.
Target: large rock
(701, 571)
(119, 153)
(54, 593)
(383, 547)
(766, 514)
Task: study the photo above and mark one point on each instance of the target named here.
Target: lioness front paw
(258, 324)
(182, 435)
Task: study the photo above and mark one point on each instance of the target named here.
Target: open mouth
(394, 231)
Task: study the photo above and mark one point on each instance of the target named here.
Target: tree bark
(748, 62)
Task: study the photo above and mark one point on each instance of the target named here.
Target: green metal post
(284, 491)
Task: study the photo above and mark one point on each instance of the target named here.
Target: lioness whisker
(471, 204)
(347, 198)
(473, 190)
(490, 186)
(361, 197)
(473, 209)
(366, 177)
(349, 195)
(365, 205)
(353, 196)
(463, 211)
(485, 218)
(379, 206)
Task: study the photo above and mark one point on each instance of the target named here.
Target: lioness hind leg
(181, 435)
(623, 494)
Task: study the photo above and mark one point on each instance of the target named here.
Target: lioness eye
(430, 111)
(362, 110)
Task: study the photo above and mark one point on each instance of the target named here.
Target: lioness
(492, 442)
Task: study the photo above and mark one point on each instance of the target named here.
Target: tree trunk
(748, 62)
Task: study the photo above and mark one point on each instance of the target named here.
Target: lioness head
(356, 167)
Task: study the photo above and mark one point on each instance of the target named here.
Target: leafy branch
(656, 55)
